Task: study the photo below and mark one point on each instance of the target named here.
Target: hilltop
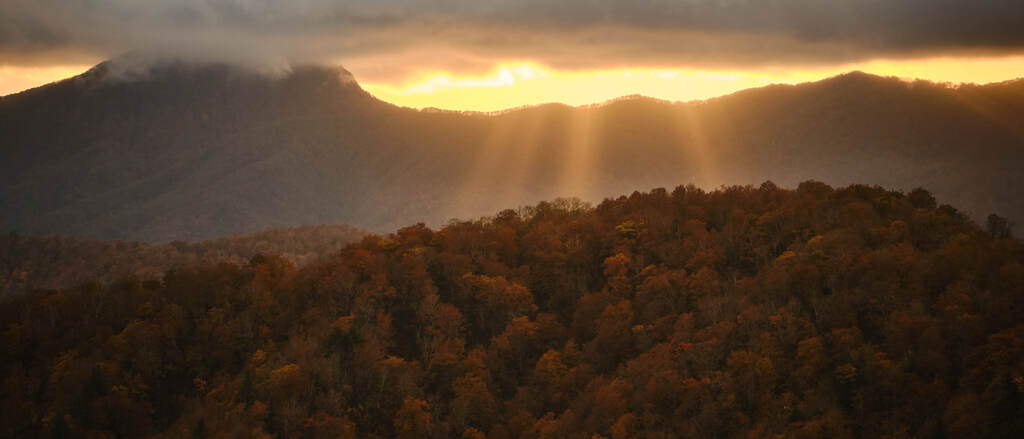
(179, 151)
(743, 312)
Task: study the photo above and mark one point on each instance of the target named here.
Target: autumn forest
(747, 311)
(498, 219)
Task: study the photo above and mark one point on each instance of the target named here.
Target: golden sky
(517, 83)
(513, 83)
(17, 78)
(494, 54)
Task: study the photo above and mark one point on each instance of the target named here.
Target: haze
(496, 219)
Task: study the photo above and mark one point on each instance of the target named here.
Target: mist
(464, 35)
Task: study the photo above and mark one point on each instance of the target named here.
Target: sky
(490, 54)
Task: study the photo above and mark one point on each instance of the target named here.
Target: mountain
(180, 151)
(853, 312)
(29, 262)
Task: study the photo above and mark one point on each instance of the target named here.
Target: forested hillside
(189, 152)
(742, 312)
(28, 262)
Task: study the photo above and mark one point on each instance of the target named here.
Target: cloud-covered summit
(463, 33)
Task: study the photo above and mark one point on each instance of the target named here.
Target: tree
(742, 312)
(998, 227)
(413, 420)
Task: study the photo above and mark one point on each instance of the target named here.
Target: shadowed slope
(198, 151)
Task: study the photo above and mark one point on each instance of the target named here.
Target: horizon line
(594, 104)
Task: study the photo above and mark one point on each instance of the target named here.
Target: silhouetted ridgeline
(188, 152)
(743, 312)
(57, 262)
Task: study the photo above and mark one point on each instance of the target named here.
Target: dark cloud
(567, 33)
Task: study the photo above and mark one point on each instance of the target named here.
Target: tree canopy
(741, 312)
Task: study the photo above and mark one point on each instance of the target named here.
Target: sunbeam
(483, 182)
(578, 166)
(696, 146)
(521, 158)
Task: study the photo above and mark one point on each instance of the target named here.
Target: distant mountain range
(181, 151)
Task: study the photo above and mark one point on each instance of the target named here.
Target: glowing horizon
(513, 84)
(524, 83)
(14, 79)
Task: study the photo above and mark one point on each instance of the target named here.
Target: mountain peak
(855, 77)
(193, 150)
(133, 67)
(857, 74)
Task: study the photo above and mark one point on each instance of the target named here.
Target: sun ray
(697, 146)
(480, 182)
(578, 160)
(993, 115)
(522, 153)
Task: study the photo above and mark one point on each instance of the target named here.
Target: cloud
(389, 37)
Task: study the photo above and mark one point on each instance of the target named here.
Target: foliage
(28, 262)
(743, 312)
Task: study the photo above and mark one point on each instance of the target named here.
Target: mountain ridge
(200, 152)
(148, 64)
